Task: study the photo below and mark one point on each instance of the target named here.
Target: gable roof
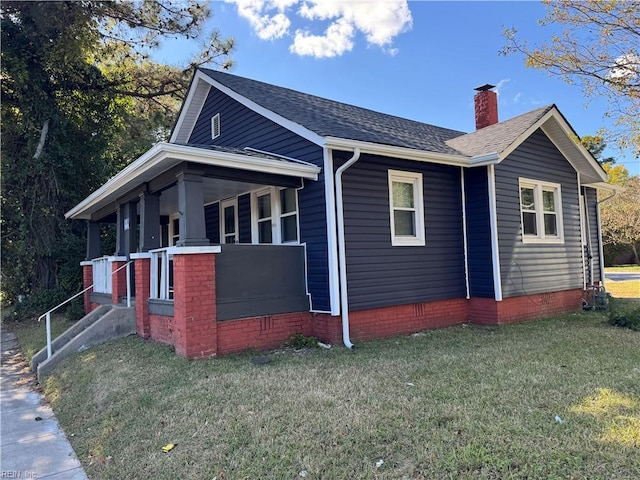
(323, 117)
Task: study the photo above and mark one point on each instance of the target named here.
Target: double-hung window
(541, 212)
(275, 215)
(406, 208)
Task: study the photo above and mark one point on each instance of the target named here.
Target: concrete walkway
(30, 448)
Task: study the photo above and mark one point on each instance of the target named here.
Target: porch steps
(105, 323)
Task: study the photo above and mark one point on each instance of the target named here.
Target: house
(272, 212)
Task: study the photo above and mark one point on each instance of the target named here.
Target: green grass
(463, 402)
(32, 334)
(624, 289)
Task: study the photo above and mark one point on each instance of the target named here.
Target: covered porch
(213, 235)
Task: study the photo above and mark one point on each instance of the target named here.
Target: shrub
(299, 341)
(624, 313)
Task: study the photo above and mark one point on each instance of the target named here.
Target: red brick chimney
(486, 105)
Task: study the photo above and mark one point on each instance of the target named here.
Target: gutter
(344, 300)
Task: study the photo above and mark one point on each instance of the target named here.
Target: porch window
(541, 212)
(406, 208)
(275, 215)
(265, 223)
(229, 221)
(288, 215)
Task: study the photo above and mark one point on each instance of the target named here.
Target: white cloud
(501, 84)
(380, 21)
(627, 67)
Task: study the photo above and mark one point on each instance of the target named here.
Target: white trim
(140, 255)
(163, 156)
(117, 258)
(282, 214)
(189, 113)
(464, 233)
(538, 188)
(255, 233)
(233, 201)
(415, 180)
(493, 221)
(398, 152)
(193, 250)
(332, 233)
(87, 263)
(583, 237)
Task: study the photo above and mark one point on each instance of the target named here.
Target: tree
(599, 49)
(620, 218)
(80, 99)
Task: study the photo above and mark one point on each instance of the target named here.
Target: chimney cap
(484, 88)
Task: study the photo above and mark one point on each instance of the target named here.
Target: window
(229, 221)
(541, 211)
(215, 126)
(288, 215)
(275, 215)
(406, 208)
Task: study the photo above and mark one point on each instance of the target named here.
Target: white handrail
(48, 314)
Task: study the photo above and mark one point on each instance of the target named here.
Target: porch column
(87, 281)
(195, 325)
(118, 280)
(193, 230)
(130, 227)
(149, 221)
(120, 233)
(143, 292)
(93, 240)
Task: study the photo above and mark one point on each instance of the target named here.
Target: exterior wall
(240, 128)
(119, 282)
(593, 240)
(143, 287)
(382, 275)
(478, 233)
(263, 332)
(519, 309)
(212, 222)
(161, 329)
(528, 268)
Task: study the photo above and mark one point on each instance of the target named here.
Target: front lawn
(557, 398)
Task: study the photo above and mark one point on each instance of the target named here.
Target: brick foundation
(87, 281)
(119, 282)
(195, 332)
(518, 309)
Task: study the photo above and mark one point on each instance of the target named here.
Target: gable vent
(215, 126)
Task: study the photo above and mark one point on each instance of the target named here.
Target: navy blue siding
(534, 267)
(212, 222)
(479, 255)
(244, 218)
(380, 274)
(241, 127)
(593, 240)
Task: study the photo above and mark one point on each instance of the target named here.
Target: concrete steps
(105, 323)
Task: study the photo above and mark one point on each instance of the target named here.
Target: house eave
(336, 143)
(164, 156)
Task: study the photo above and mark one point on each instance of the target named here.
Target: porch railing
(101, 269)
(161, 274)
(48, 314)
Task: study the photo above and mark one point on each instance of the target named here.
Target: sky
(418, 60)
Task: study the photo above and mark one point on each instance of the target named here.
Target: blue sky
(419, 60)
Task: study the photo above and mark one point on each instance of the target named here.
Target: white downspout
(344, 300)
(600, 247)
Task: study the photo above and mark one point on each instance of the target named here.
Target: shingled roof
(496, 138)
(329, 118)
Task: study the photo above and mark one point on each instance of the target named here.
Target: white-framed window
(540, 211)
(406, 208)
(229, 221)
(174, 229)
(215, 126)
(274, 214)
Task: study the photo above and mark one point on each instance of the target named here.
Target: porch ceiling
(164, 156)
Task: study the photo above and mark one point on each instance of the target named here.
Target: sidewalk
(30, 448)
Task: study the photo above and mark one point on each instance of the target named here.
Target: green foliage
(80, 100)
(299, 341)
(624, 313)
(32, 306)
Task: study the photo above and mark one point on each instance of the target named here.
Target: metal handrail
(48, 314)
